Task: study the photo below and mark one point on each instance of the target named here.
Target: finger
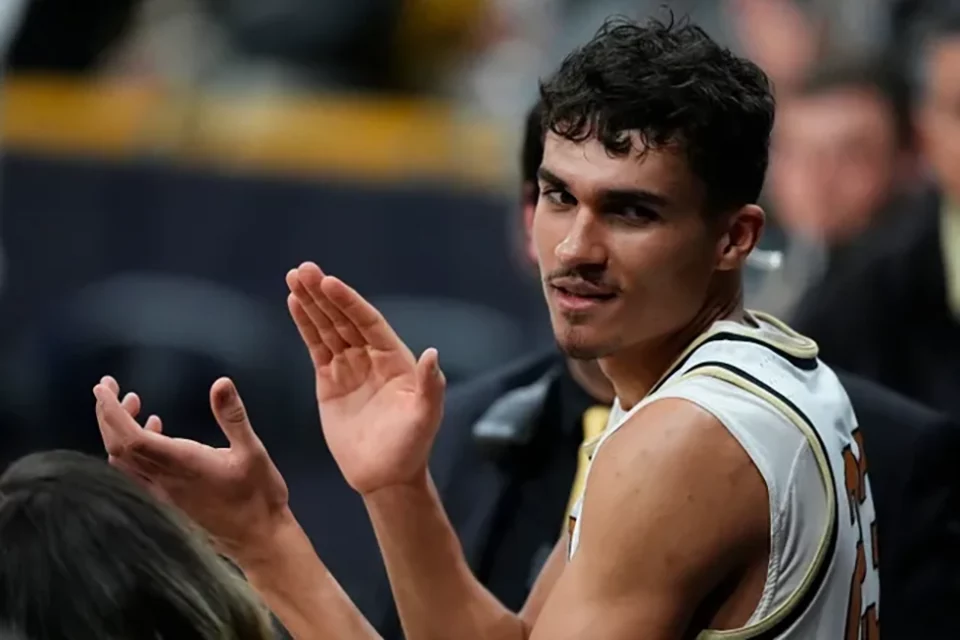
(322, 323)
(369, 322)
(111, 383)
(319, 353)
(430, 379)
(113, 430)
(122, 435)
(131, 404)
(231, 415)
(154, 424)
(312, 279)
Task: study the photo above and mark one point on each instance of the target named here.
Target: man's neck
(590, 377)
(635, 370)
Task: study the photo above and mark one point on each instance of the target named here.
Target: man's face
(625, 253)
(940, 114)
(834, 164)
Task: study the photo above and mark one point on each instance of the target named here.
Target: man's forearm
(437, 595)
(298, 588)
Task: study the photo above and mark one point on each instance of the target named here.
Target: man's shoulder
(668, 437)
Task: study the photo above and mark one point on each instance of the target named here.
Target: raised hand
(235, 493)
(379, 406)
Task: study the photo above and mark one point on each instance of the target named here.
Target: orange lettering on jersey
(854, 472)
(856, 595)
(871, 626)
(867, 626)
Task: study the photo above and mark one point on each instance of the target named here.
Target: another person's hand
(236, 493)
(380, 407)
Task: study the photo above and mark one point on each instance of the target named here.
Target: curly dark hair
(668, 82)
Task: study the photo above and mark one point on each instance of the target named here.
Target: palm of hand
(370, 410)
(379, 407)
(233, 493)
(225, 491)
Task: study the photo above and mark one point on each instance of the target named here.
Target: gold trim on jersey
(793, 343)
(785, 609)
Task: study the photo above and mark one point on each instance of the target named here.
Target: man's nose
(584, 241)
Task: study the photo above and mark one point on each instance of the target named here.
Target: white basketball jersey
(791, 415)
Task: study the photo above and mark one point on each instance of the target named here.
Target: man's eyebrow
(642, 196)
(550, 177)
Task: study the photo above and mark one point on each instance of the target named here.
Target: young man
(728, 493)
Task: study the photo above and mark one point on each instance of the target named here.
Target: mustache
(588, 273)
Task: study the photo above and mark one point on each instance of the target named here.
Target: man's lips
(582, 288)
(580, 295)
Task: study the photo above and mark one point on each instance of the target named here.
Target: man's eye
(632, 212)
(558, 197)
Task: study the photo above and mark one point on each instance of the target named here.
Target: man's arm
(673, 507)
(299, 589)
(237, 495)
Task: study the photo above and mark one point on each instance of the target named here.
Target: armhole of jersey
(784, 616)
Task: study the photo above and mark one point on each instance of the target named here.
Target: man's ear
(742, 233)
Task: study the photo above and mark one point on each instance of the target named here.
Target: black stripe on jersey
(807, 364)
(818, 579)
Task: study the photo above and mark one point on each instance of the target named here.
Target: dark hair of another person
(668, 83)
(88, 555)
(874, 76)
(531, 153)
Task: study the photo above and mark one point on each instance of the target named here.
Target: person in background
(844, 158)
(891, 313)
(844, 149)
(88, 555)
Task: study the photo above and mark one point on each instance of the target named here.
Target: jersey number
(866, 626)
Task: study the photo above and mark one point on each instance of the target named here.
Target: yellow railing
(351, 138)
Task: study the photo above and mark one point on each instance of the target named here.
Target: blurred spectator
(843, 155)
(892, 312)
(68, 36)
(326, 44)
(436, 37)
(304, 45)
(87, 555)
(283, 45)
(843, 151)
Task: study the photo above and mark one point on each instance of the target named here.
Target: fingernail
(227, 391)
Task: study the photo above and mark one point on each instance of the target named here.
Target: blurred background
(164, 162)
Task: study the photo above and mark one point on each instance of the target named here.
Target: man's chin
(580, 352)
(578, 348)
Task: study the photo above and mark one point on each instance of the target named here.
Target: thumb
(231, 415)
(430, 379)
